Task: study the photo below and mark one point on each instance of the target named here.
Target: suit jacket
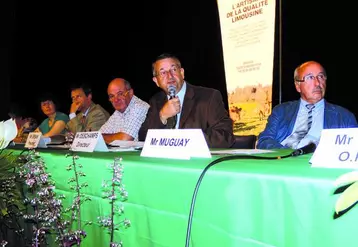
(281, 121)
(203, 108)
(95, 118)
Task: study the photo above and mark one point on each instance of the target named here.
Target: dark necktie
(83, 119)
(302, 128)
(171, 122)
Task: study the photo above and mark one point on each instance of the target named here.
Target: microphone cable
(214, 162)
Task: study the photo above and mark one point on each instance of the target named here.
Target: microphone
(171, 91)
(309, 148)
(173, 120)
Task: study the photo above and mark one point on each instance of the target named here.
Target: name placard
(337, 148)
(33, 140)
(88, 142)
(175, 144)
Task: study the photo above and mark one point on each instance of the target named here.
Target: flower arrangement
(114, 191)
(41, 207)
(46, 210)
(80, 198)
(44, 206)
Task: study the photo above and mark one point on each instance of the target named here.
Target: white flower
(8, 131)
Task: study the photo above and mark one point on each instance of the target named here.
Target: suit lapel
(188, 105)
(329, 114)
(161, 100)
(292, 116)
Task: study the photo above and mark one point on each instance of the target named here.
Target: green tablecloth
(245, 202)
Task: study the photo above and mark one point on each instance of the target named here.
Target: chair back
(244, 141)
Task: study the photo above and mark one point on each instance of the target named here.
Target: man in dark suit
(293, 125)
(191, 107)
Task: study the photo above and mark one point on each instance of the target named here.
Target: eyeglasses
(174, 70)
(119, 94)
(311, 78)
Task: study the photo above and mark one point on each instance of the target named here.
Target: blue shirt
(314, 133)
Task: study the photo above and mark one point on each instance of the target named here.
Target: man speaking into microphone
(185, 106)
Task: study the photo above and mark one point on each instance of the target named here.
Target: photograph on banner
(248, 33)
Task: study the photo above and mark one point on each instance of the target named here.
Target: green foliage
(11, 198)
(7, 163)
(10, 190)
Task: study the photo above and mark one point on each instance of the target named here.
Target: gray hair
(127, 84)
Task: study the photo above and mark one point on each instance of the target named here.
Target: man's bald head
(120, 94)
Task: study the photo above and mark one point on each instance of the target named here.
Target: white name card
(88, 142)
(175, 144)
(33, 140)
(337, 148)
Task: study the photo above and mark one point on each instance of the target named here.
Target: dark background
(48, 45)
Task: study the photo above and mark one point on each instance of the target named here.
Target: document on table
(125, 146)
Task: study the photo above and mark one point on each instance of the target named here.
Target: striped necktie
(302, 129)
(309, 118)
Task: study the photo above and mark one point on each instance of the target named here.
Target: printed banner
(248, 35)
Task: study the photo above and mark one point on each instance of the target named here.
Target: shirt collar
(86, 112)
(320, 103)
(182, 91)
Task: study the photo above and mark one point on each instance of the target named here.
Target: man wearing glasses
(85, 115)
(129, 114)
(296, 124)
(182, 105)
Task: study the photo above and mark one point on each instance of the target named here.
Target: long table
(244, 202)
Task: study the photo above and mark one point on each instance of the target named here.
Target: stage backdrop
(248, 32)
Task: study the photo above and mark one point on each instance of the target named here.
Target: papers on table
(117, 145)
(62, 146)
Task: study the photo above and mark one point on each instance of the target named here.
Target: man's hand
(108, 138)
(171, 107)
(74, 107)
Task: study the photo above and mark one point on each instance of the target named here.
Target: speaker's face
(168, 72)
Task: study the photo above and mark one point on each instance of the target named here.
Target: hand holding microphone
(172, 107)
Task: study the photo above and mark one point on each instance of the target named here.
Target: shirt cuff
(72, 115)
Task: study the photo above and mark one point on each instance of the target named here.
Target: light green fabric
(245, 203)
